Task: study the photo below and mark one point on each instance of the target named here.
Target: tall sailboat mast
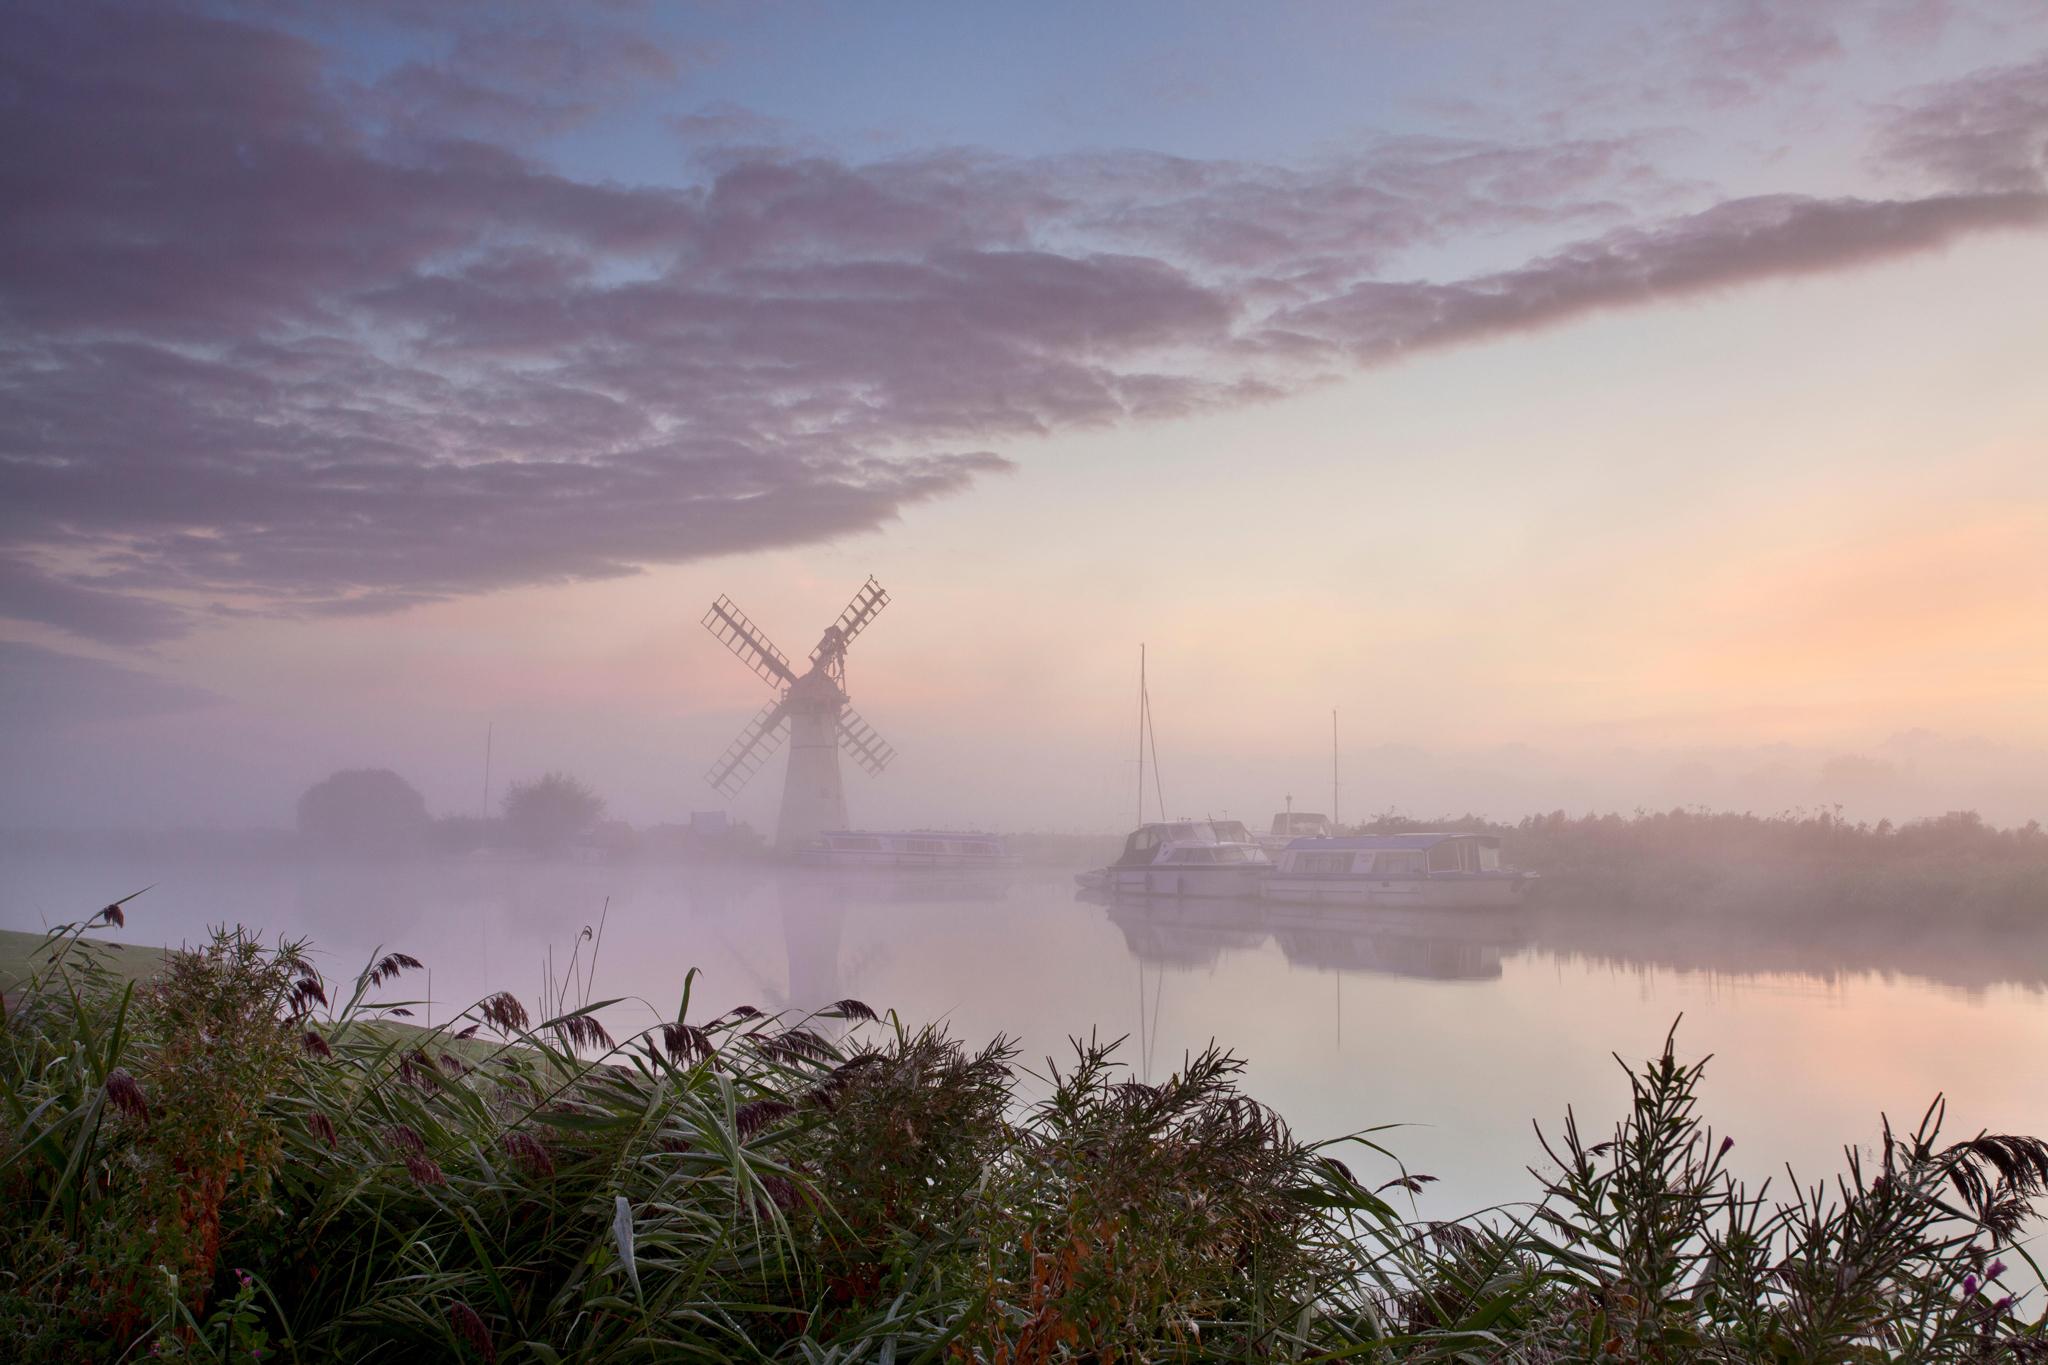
(1336, 777)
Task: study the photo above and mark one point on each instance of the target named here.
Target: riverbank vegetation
(236, 1160)
(1791, 862)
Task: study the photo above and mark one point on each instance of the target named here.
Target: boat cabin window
(1401, 862)
(1321, 864)
(981, 850)
(1230, 854)
(1231, 831)
(1302, 823)
(855, 844)
(1489, 858)
(1140, 847)
(927, 845)
(1453, 855)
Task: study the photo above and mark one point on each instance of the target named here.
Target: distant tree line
(375, 813)
(1791, 860)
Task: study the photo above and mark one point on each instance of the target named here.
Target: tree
(548, 813)
(363, 811)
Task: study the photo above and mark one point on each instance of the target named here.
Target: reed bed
(238, 1160)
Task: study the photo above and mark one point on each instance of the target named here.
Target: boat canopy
(1144, 843)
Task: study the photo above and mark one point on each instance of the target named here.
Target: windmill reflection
(810, 908)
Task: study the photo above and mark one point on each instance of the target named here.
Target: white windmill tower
(811, 709)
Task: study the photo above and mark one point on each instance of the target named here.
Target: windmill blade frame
(862, 741)
(750, 750)
(731, 628)
(866, 605)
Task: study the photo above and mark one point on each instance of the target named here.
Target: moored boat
(1290, 825)
(1185, 858)
(1443, 871)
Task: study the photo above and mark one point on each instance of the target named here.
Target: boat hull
(1470, 891)
(1232, 881)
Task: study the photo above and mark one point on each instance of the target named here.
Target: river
(1462, 1027)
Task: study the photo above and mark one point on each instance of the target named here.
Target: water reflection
(1471, 1023)
(1463, 945)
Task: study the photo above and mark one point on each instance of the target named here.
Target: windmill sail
(745, 755)
(744, 639)
(866, 605)
(868, 748)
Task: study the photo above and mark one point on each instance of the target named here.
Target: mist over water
(1465, 1026)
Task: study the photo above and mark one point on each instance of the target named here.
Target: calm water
(1464, 1026)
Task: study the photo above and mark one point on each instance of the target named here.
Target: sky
(1597, 406)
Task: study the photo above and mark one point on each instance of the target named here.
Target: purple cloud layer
(275, 341)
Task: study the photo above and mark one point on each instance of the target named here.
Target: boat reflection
(1438, 945)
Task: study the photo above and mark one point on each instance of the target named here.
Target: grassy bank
(23, 954)
(237, 1160)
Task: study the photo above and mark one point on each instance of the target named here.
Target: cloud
(116, 618)
(1731, 244)
(50, 690)
(1987, 131)
(275, 340)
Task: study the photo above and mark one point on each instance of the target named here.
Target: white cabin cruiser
(1185, 858)
(1442, 871)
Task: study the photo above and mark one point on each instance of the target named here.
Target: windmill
(809, 709)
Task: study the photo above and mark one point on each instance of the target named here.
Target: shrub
(549, 813)
(365, 811)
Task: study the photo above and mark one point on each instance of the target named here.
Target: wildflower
(306, 992)
(390, 965)
(244, 1279)
(470, 1327)
(126, 1095)
(751, 1118)
(1996, 1269)
(685, 1041)
(1726, 1143)
(1970, 1285)
(504, 1013)
(528, 1149)
(584, 1031)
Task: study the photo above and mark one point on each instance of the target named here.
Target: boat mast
(1141, 733)
(1336, 782)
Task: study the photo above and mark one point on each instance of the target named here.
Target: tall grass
(239, 1160)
